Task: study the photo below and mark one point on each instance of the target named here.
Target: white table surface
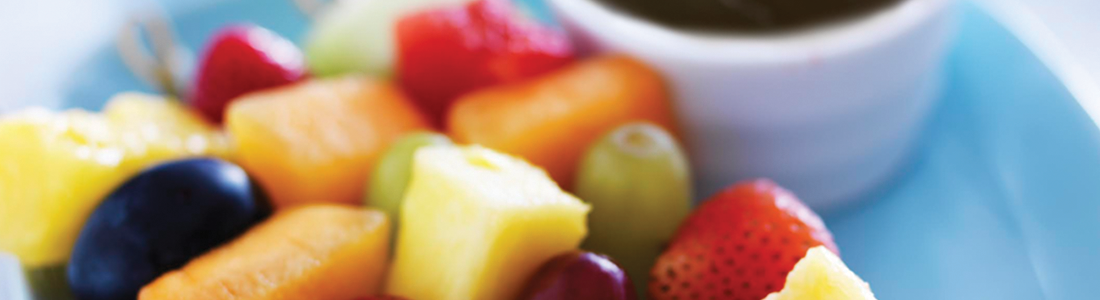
(12, 286)
(41, 37)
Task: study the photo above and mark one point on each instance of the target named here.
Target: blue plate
(1003, 201)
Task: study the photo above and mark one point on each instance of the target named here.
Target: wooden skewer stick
(165, 66)
(313, 8)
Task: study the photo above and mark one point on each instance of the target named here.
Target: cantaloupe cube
(552, 120)
(317, 252)
(318, 141)
(476, 224)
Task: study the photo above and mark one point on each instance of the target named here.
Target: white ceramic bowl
(830, 113)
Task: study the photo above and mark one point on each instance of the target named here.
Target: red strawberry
(739, 245)
(243, 59)
(447, 52)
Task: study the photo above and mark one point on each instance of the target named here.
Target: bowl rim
(833, 40)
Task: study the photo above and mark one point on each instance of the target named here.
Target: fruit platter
(500, 150)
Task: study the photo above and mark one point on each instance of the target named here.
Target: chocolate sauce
(747, 16)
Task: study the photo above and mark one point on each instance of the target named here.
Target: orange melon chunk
(550, 121)
(318, 141)
(320, 252)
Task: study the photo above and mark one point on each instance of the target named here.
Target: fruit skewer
(167, 65)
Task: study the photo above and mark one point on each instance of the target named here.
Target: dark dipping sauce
(747, 16)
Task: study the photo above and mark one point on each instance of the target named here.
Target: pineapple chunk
(56, 167)
(822, 276)
(167, 128)
(476, 224)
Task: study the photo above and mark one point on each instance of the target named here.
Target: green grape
(391, 175)
(357, 36)
(638, 182)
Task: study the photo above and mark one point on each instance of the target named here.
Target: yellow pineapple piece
(166, 127)
(476, 224)
(821, 275)
(55, 167)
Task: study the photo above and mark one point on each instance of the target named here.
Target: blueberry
(158, 221)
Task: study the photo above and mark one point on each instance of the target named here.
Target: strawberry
(243, 59)
(446, 52)
(738, 245)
